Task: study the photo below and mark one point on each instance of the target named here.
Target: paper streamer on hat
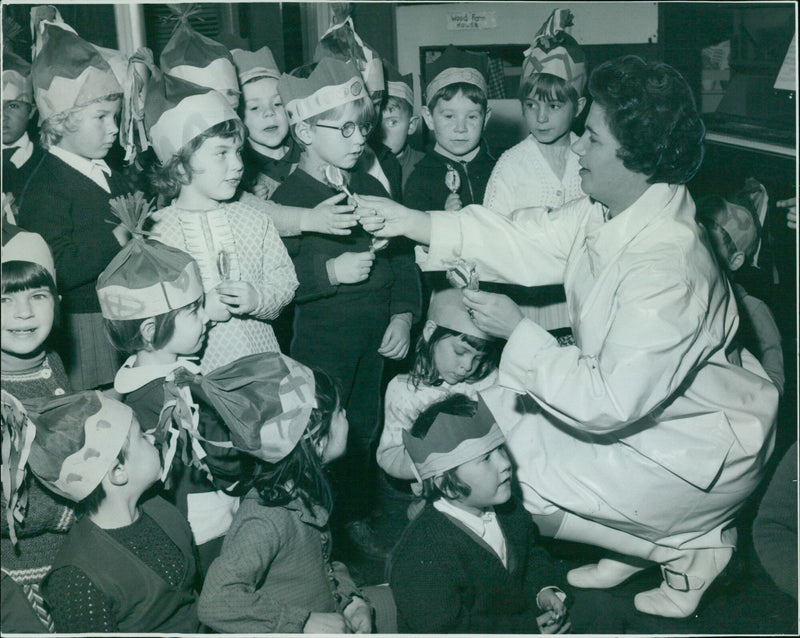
(17, 436)
(371, 68)
(555, 52)
(132, 132)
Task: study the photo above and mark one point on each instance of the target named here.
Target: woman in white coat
(643, 438)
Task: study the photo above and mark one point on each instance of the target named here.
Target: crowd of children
(203, 384)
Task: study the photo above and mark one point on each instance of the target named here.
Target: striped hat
(17, 83)
(555, 52)
(453, 66)
(252, 65)
(177, 111)
(400, 86)
(332, 83)
(67, 71)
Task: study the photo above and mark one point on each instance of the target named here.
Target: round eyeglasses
(348, 128)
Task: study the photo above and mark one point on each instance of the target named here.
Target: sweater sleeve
(499, 196)
(407, 286)
(286, 218)
(278, 278)
(346, 587)
(399, 416)
(76, 605)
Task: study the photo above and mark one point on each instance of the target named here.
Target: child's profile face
(395, 128)
(455, 359)
(548, 120)
(143, 461)
(489, 479)
(335, 443)
(216, 171)
(27, 319)
(16, 115)
(457, 124)
(190, 331)
(264, 114)
(330, 145)
(97, 130)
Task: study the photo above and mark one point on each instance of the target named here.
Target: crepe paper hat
(456, 65)
(17, 83)
(453, 440)
(400, 86)
(21, 245)
(67, 71)
(146, 278)
(252, 65)
(736, 215)
(78, 437)
(177, 111)
(556, 52)
(17, 435)
(332, 83)
(265, 400)
(193, 57)
(447, 310)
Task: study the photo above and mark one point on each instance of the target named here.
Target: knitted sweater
(445, 579)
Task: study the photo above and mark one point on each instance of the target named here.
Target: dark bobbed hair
(548, 88)
(125, 335)
(301, 473)
(424, 370)
(168, 178)
(470, 91)
(450, 486)
(18, 276)
(651, 112)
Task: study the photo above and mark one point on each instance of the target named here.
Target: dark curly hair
(651, 112)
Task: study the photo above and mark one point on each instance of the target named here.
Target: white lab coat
(644, 425)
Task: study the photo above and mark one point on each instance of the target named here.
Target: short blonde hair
(55, 127)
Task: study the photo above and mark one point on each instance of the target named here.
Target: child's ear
(736, 261)
(580, 106)
(427, 329)
(302, 131)
(118, 474)
(148, 330)
(427, 116)
(413, 124)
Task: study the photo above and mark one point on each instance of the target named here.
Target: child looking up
(247, 275)
(354, 305)
(127, 565)
(398, 121)
(66, 199)
(468, 563)
(275, 573)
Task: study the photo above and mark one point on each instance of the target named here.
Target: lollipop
(463, 275)
(335, 179)
(452, 179)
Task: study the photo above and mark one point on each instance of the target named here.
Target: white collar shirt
(95, 169)
(21, 150)
(484, 526)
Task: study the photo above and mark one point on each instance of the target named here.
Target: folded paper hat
(264, 399)
(342, 42)
(401, 86)
(67, 72)
(453, 66)
(78, 437)
(555, 52)
(18, 434)
(21, 245)
(146, 278)
(332, 83)
(193, 57)
(253, 65)
(447, 310)
(177, 111)
(737, 217)
(453, 440)
(17, 84)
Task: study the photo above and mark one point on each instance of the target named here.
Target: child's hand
(555, 619)
(215, 309)
(453, 202)
(240, 297)
(496, 315)
(791, 211)
(261, 190)
(397, 337)
(358, 615)
(383, 217)
(319, 623)
(352, 268)
(330, 217)
(550, 623)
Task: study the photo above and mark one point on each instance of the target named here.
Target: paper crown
(252, 65)
(341, 42)
(453, 440)
(555, 52)
(17, 83)
(177, 111)
(447, 310)
(193, 57)
(17, 434)
(78, 437)
(456, 65)
(67, 72)
(401, 86)
(20, 245)
(332, 83)
(146, 278)
(265, 401)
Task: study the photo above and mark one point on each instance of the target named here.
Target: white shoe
(602, 575)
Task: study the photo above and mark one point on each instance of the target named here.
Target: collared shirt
(21, 150)
(95, 169)
(485, 526)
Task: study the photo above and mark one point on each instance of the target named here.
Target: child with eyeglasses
(354, 305)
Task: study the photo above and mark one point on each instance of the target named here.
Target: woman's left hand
(240, 297)
(358, 615)
(497, 315)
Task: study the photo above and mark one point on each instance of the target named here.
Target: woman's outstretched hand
(383, 217)
(497, 315)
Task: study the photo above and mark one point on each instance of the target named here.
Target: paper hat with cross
(17, 84)
(265, 401)
(447, 310)
(67, 72)
(20, 245)
(177, 111)
(332, 83)
(254, 65)
(146, 278)
(454, 66)
(78, 437)
(555, 52)
(400, 86)
(453, 440)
